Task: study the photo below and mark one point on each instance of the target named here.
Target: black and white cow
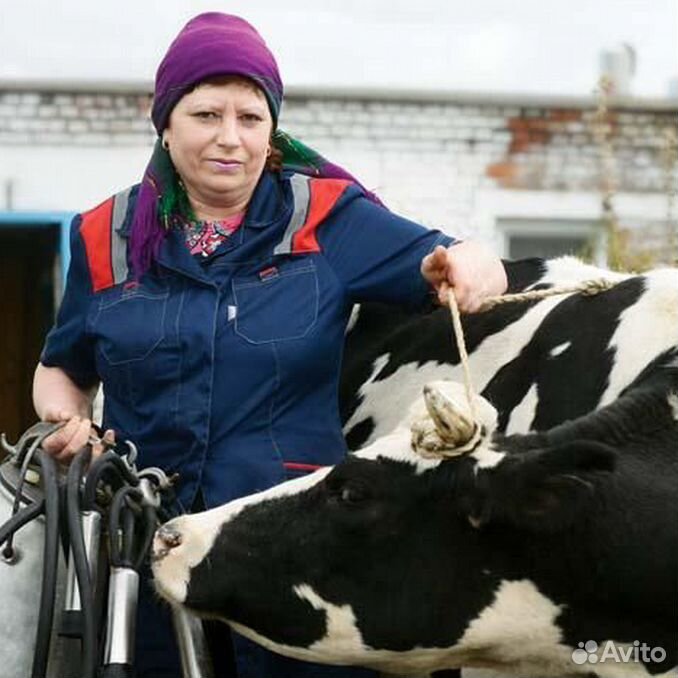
(508, 558)
(524, 556)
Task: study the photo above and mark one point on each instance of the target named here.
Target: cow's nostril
(169, 536)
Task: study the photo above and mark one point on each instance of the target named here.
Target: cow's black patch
(359, 433)
(565, 387)
(524, 273)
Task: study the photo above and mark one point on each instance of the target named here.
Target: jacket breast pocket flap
(129, 327)
(277, 304)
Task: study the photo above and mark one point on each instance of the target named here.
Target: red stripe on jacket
(324, 194)
(297, 466)
(96, 234)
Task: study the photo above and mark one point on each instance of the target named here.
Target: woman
(212, 299)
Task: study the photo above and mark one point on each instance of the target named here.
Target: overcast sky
(539, 46)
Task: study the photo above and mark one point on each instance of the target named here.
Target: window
(550, 238)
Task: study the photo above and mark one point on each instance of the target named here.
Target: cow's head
(387, 559)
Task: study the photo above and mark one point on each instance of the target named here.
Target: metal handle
(91, 529)
(195, 657)
(123, 594)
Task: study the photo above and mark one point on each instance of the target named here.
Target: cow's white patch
(377, 367)
(487, 456)
(673, 404)
(570, 270)
(561, 348)
(646, 329)
(397, 447)
(519, 613)
(98, 406)
(342, 637)
(518, 632)
(353, 318)
(523, 414)
(383, 400)
(199, 531)
(171, 573)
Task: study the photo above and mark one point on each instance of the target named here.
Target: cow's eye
(352, 494)
(347, 491)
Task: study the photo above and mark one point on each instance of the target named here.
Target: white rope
(461, 348)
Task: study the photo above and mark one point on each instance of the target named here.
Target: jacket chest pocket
(278, 304)
(129, 328)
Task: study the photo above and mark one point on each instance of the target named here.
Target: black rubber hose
(25, 462)
(128, 535)
(109, 462)
(150, 523)
(50, 565)
(18, 520)
(73, 508)
(120, 537)
(117, 671)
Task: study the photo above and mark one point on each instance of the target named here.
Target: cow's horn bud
(450, 414)
(450, 429)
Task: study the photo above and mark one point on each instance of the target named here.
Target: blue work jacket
(226, 370)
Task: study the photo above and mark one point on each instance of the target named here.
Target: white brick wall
(435, 160)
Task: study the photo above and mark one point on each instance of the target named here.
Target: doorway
(29, 272)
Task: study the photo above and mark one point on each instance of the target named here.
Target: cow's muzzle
(166, 538)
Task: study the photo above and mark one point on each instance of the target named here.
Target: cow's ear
(547, 490)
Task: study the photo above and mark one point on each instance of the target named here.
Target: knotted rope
(433, 438)
(587, 287)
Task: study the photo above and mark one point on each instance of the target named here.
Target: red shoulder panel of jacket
(324, 194)
(96, 234)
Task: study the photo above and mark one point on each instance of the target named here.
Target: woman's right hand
(57, 398)
(65, 443)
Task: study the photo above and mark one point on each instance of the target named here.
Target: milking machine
(27, 498)
(104, 512)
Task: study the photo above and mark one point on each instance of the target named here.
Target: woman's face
(218, 137)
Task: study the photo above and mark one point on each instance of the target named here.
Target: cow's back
(539, 362)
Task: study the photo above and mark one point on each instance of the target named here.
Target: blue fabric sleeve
(68, 345)
(376, 254)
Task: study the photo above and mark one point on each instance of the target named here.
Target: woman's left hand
(471, 269)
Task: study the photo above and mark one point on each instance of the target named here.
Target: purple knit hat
(210, 45)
